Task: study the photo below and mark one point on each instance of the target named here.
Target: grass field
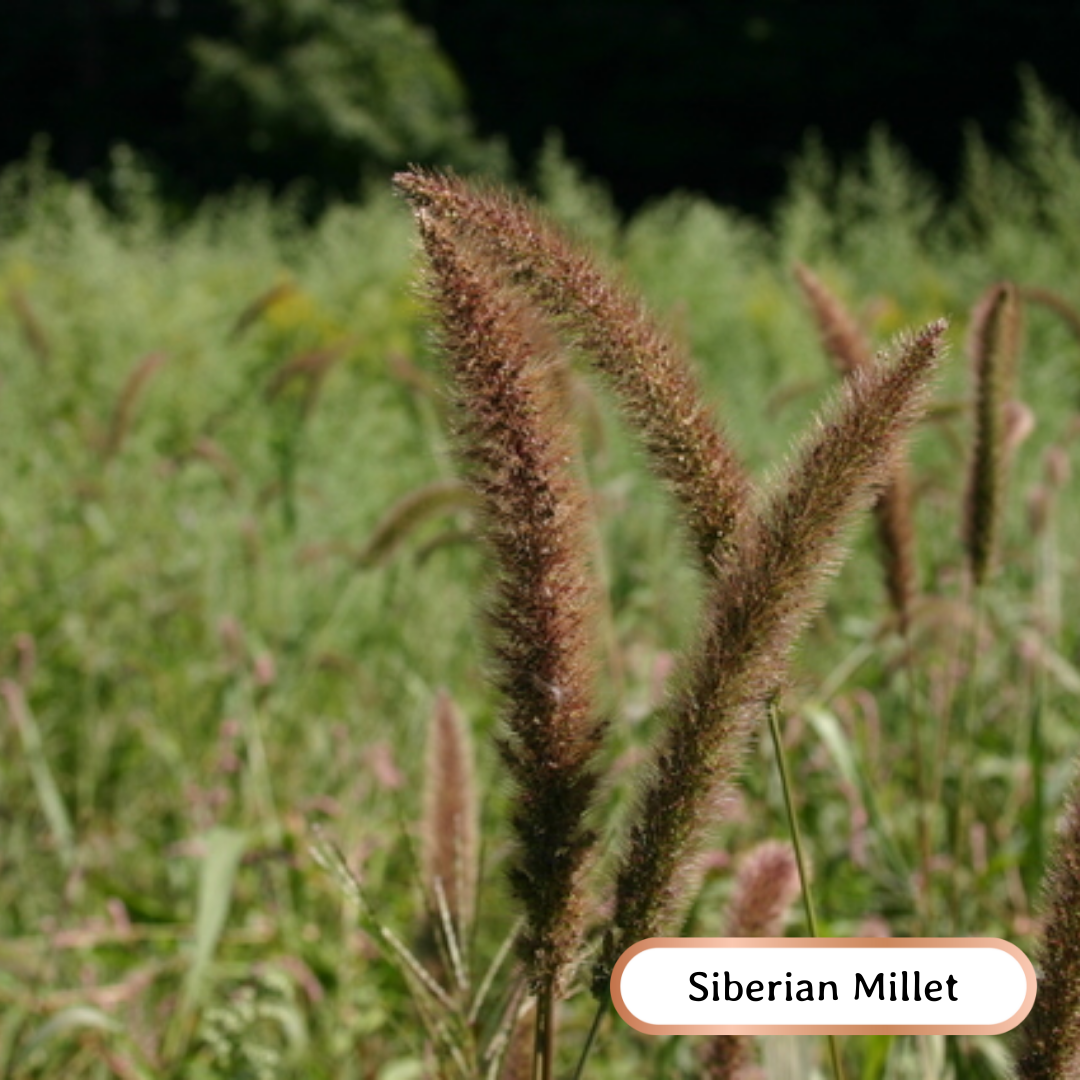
(214, 646)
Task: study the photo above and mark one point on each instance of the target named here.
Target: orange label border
(823, 943)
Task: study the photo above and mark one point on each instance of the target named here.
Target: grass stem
(1036, 855)
(1049, 609)
(924, 894)
(544, 1048)
(796, 840)
(590, 1039)
(793, 821)
(966, 738)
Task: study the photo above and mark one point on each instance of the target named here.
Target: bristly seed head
(488, 252)
(517, 451)
(652, 379)
(845, 343)
(758, 606)
(1050, 1048)
(994, 344)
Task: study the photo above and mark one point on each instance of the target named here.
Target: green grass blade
(224, 849)
(831, 733)
(69, 1021)
(48, 793)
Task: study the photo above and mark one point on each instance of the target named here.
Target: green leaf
(67, 1021)
(224, 849)
(48, 793)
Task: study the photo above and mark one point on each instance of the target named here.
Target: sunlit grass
(207, 661)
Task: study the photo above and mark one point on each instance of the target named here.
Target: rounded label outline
(822, 943)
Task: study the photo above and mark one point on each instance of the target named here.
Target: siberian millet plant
(509, 291)
(844, 341)
(517, 451)
(217, 642)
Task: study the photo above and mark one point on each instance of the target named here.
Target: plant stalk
(969, 730)
(601, 1012)
(924, 894)
(544, 1049)
(796, 840)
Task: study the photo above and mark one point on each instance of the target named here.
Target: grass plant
(223, 640)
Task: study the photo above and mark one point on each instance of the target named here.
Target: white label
(959, 985)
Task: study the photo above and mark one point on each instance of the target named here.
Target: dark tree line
(715, 95)
(90, 73)
(649, 94)
(213, 92)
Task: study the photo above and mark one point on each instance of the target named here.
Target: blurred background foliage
(324, 93)
(217, 383)
(338, 90)
(213, 642)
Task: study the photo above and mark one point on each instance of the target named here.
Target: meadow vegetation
(239, 577)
